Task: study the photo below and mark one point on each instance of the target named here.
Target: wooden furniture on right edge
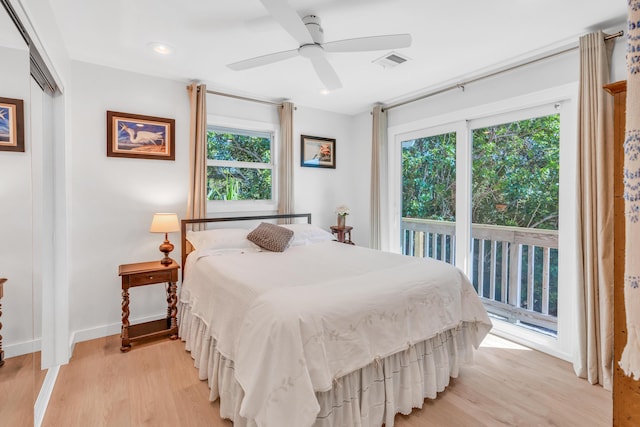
(626, 391)
(2, 280)
(148, 273)
(343, 234)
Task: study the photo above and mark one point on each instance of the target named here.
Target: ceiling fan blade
(289, 19)
(363, 44)
(326, 73)
(263, 60)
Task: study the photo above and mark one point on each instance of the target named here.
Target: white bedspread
(295, 321)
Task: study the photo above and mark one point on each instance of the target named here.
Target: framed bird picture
(317, 152)
(142, 137)
(11, 124)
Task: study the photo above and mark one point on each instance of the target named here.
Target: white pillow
(221, 238)
(307, 234)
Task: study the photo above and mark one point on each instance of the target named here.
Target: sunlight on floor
(492, 341)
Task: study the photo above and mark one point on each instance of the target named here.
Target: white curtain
(285, 163)
(594, 360)
(197, 198)
(630, 361)
(378, 153)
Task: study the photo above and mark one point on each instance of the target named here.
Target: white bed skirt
(368, 397)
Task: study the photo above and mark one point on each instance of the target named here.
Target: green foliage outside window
(245, 181)
(518, 165)
(515, 175)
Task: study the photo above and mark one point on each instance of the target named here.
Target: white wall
(16, 215)
(113, 199)
(319, 190)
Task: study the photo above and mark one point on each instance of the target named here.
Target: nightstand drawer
(149, 278)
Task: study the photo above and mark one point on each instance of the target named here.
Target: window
(240, 164)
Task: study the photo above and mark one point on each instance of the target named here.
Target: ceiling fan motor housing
(312, 22)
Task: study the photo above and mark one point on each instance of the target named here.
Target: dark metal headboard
(184, 222)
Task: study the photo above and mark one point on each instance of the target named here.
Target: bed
(322, 334)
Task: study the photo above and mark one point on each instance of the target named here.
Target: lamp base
(166, 247)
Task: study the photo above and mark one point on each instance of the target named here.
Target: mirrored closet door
(19, 383)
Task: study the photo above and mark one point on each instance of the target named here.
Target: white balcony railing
(514, 269)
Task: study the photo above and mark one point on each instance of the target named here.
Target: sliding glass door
(488, 194)
(515, 215)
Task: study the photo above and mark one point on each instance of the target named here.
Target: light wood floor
(155, 384)
(20, 382)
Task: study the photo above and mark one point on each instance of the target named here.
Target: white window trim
(503, 111)
(226, 206)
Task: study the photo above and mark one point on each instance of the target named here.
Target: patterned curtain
(630, 361)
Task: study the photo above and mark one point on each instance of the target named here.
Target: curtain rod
(244, 98)
(495, 73)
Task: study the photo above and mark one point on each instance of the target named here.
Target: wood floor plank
(156, 384)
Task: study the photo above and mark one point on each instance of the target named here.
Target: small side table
(343, 234)
(148, 273)
(2, 280)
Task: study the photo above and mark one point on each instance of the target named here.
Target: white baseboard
(40, 408)
(106, 330)
(21, 348)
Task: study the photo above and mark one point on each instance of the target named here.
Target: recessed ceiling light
(161, 48)
(325, 91)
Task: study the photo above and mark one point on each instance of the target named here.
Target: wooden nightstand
(343, 234)
(142, 274)
(2, 280)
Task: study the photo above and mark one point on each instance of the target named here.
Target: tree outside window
(239, 164)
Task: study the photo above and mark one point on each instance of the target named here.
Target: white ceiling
(451, 40)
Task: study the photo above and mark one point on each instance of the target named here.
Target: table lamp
(165, 223)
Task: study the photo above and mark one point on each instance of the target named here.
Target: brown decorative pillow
(271, 237)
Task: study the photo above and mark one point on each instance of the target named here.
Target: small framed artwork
(317, 152)
(11, 124)
(140, 137)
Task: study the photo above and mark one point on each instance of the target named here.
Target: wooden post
(2, 280)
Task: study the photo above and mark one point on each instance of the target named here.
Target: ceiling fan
(310, 35)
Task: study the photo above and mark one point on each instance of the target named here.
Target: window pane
(429, 197)
(238, 145)
(516, 173)
(516, 184)
(429, 177)
(225, 183)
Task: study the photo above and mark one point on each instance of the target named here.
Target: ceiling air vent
(391, 59)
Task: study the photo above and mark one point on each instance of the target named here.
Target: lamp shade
(164, 223)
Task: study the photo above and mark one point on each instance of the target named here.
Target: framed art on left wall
(138, 136)
(11, 124)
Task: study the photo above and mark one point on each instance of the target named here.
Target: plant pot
(341, 220)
